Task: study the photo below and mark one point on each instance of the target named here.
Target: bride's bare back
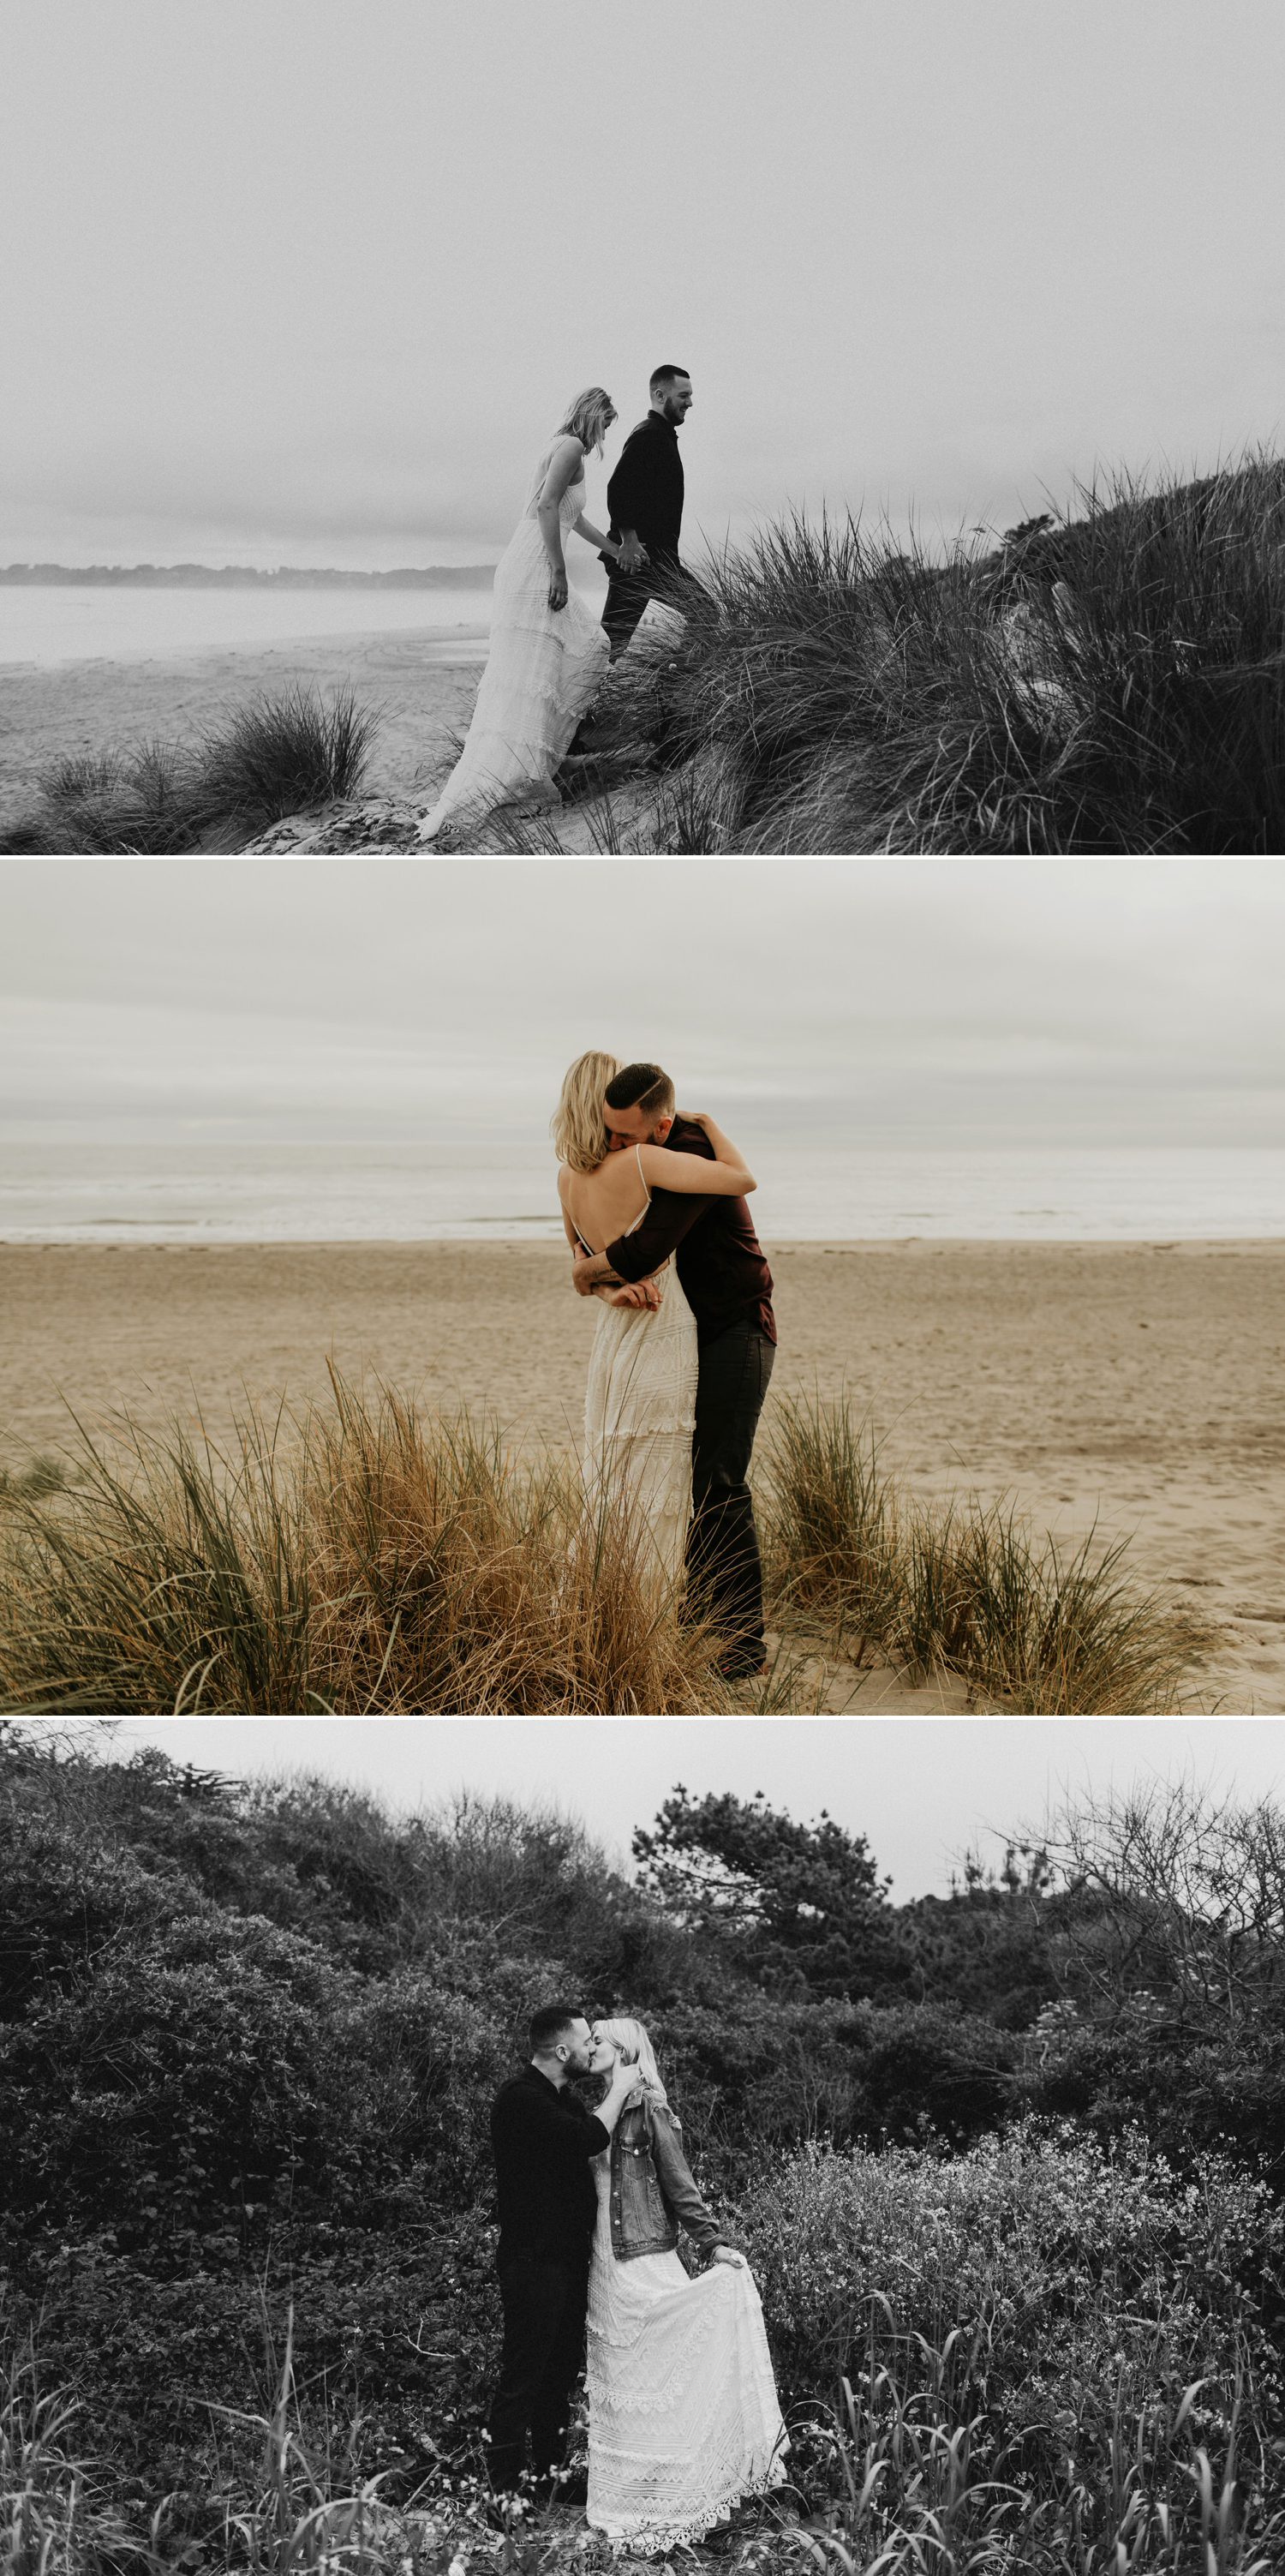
(604, 1204)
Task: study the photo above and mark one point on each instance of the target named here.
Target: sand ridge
(1143, 1385)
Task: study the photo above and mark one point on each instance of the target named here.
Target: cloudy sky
(923, 1790)
(301, 280)
(983, 1002)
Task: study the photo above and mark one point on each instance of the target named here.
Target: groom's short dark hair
(665, 376)
(548, 2025)
(641, 1086)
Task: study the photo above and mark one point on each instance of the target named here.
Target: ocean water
(67, 623)
(104, 1188)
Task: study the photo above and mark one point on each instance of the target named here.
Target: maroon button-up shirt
(720, 1262)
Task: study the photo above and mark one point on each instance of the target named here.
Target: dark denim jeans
(544, 2316)
(723, 1570)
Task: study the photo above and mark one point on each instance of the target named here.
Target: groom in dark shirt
(728, 1286)
(543, 2139)
(645, 498)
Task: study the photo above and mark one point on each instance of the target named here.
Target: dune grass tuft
(376, 1560)
(271, 757)
(147, 800)
(277, 755)
(1047, 1628)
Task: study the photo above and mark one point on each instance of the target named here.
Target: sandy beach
(1143, 1384)
(422, 684)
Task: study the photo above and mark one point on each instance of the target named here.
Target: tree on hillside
(803, 1904)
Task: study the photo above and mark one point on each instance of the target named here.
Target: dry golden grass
(1046, 1628)
(376, 1560)
(371, 1558)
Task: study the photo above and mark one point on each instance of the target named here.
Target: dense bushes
(1044, 2244)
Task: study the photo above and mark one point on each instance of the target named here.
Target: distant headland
(193, 576)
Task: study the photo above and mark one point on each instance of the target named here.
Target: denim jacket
(652, 2190)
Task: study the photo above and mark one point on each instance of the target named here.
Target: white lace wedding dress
(640, 1411)
(683, 2411)
(543, 668)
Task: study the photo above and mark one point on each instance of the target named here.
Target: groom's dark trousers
(724, 1573)
(542, 2139)
(728, 1286)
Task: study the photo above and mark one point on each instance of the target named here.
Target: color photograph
(676, 1286)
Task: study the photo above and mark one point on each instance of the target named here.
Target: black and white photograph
(642, 1260)
(642, 2142)
(476, 425)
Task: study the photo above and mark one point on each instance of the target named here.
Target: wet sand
(1143, 1384)
(422, 684)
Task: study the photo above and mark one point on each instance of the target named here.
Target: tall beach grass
(1113, 681)
(1044, 1626)
(366, 1558)
(372, 1557)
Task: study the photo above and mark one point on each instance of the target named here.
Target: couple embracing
(548, 654)
(683, 2412)
(653, 1204)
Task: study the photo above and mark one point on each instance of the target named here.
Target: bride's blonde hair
(589, 418)
(578, 1128)
(630, 2037)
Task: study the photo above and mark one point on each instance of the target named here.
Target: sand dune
(1144, 1384)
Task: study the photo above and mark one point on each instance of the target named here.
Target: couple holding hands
(548, 653)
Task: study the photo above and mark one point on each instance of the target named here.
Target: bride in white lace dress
(640, 1400)
(684, 2419)
(548, 653)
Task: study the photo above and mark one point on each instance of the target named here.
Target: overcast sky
(1069, 1001)
(300, 279)
(923, 1790)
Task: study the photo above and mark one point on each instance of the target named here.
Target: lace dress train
(683, 2411)
(543, 668)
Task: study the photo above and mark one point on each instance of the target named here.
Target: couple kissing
(683, 2413)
